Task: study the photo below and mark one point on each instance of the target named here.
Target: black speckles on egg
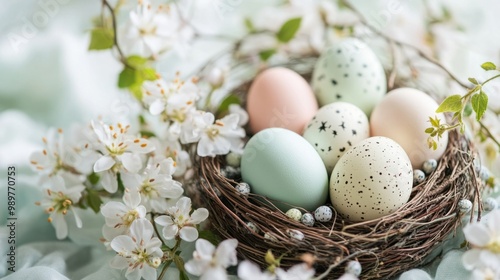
(374, 190)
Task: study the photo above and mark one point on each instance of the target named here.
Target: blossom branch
(115, 32)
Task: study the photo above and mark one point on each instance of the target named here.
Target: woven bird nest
(385, 246)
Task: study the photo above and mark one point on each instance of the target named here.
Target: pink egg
(279, 97)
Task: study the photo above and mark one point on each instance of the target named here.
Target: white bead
(323, 214)
(253, 227)
(233, 159)
(489, 204)
(295, 234)
(243, 188)
(294, 214)
(418, 176)
(429, 166)
(354, 268)
(464, 206)
(307, 219)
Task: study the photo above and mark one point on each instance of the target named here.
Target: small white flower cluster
(176, 102)
(210, 262)
(483, 259)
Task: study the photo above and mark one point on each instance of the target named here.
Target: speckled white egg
(253, 227)
(418, 176)
(307, 219)
(354, 268)
(489, 204)
(335, 129)
(294, 214)
(371, 180)
(295, 234)
(464, 206)
(323, 214)
(349, 71)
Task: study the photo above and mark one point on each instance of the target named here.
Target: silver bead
(429, 166)
(464, 206)
(418, 176)
(354, 268)
(489, 204)
(307, 219)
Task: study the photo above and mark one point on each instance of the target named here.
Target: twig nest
(307, 219)
(354, 268)
(231, 172)
(464, 206)
(490, 204)
(294, 214)
(243, 188)
(323, 214)
(418, 176)
(429, 166)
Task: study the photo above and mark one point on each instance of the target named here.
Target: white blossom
(119, 216)
(248, 270)
(209, 262)
(170, 147)
(120, 153)
(300, 271)
(139, 252)
(237, 110)
(154, 184)
(179, 221)
(58, 201)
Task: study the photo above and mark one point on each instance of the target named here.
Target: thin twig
(115, 32)
(492, 137)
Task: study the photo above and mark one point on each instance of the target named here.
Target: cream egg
(279, 97)
(403, 115)
(371, 180)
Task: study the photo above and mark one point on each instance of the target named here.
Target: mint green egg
(283, 166)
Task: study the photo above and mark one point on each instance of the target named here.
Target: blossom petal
(112, 209)
(225, 253)
(199, 215)
(141, 229)
(493, 222)
(148, 272)
(118, 262)
(477, 234)
(215, 273)
(157, 107)
(103, 164)
(196, 266)
(131, 162)
(60, 225)
(132, 199)
(77, 218)
(109, 181)
(169, 232)
(164, 220)
(184, 205)
(248, 270)
(123, 244)
(470, 258)
(205, 248)
(188, 234)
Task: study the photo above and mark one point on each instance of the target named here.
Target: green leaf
(127, 77)
(265, 55)
(136, 61)
(288, 30)
(93, 178)
(136, 90)
(473, 80)
(489, 66)
(179, 263)
(121, 187)
(148, 74)
(147, 134)
(249, 25)
(224, 105)
(94, 200)
(467, 110)
(434, 121)
(452, 103)
(209, 236)
(479, 103)
(429, 130)
(101, 39)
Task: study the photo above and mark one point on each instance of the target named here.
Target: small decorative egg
(335, 129)
(217, 191)
(270, 237)
(484, 173)
(323, 214)
(243, 188)
(464, 206)
(230, 172)
(418, 176)
(279, 97)
(284, 167)
(253, 227)
(354, 268)
(349, 71)
(490, 204)
(403, 115)
(371, 180)
(233, 159)
(477, 165)
(307, 219)
(295, 234)
(429, 166)
(294, 214)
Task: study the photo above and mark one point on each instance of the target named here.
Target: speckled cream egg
(371, 180)
(403, 115)
(335, 129)
(279, 97)
(349, 71)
